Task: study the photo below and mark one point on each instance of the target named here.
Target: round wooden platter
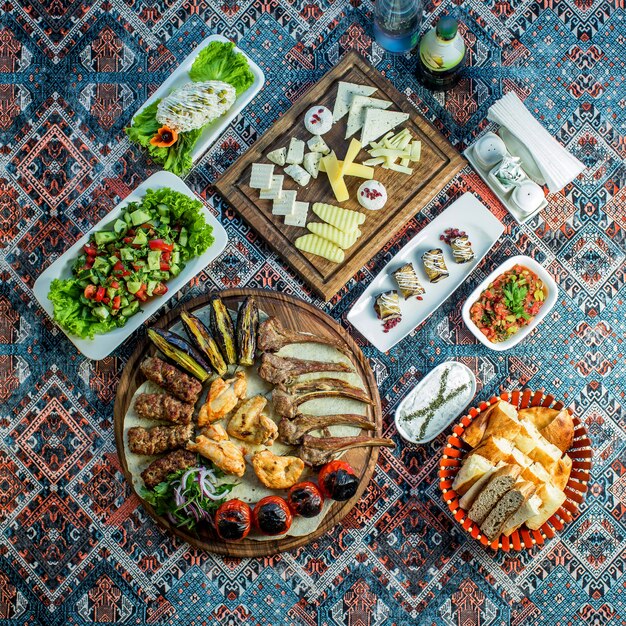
(294, 314)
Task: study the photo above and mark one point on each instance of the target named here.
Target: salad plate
(180, 78)
(102, 345)
(465, 214)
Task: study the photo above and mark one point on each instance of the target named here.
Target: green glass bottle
(441, 56)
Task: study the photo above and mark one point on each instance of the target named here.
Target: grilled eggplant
(204, 341)
(174, 347)
(223, 330)
(247, 327)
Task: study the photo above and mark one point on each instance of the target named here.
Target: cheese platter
(346, 167)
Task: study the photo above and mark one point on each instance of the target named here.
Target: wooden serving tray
(294, 314)
(407, 194)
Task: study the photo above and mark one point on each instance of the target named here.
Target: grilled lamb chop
(318, 451)
(292, 431)
(273, 336)
(282, 370)
(286, 402)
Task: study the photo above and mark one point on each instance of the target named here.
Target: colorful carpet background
(76, 547)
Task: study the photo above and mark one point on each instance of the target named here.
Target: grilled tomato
(272, 516)
(233, 520)
(338, 481)
(305, 499)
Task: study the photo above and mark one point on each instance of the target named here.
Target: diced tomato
(116, 302)
(116, 254)
(165, 267)
(159, 244)
(160, 289)
(118, 267)
(90, 250)
(166, 256)
(106, 300)
(126, 273)
(100, 291)
(89, 262)
(141, 294)
(136, 267)
(115, 284)
(128, 239)
(90, 291)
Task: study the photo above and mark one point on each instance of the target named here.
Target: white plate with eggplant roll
(248, 422)
(425, 273)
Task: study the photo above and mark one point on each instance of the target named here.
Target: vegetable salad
(120, 269)
(509, 303)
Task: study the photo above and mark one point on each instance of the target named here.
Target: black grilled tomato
(272, 516)
(305, 499)
(233, 520)
(338, 481)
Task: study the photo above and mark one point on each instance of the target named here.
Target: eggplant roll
(408, 282)
(179, 384)
(160, 469)
(462, 249)
(162, 406)
(435, 265)
(158, 439)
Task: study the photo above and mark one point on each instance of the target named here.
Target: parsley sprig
(515, 296)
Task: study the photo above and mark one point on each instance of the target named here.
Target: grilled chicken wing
(224, 454)
(249, 424)
(277, 472)
(223, 398)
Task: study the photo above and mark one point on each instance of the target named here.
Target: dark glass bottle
(441, 56)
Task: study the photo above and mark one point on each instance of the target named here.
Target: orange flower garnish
(165, 137)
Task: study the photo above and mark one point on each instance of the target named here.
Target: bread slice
(531, 442)
(508, 504)
(500, 420)
(526, 511)
(520, 458)
(561, 472)
(494, 449)
(540, 416)
(551, 500)
(468, 499)
(560, 431)
(536, 474)
(472, 469)
(501, 481)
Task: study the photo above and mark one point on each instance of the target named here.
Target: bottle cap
(447, 27)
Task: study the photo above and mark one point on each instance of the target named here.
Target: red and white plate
(575, 490)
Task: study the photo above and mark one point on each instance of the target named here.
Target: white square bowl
(550, 301)
(102, 345)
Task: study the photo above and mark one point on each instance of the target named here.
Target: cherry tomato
(338, 481)
(305, 499)
(272, 516)
(233, 520)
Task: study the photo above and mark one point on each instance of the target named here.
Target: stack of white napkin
(558, 166)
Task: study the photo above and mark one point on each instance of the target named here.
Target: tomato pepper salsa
(509, 303)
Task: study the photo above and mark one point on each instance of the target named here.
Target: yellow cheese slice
(353, 150)
(355, 169)
(335, 177)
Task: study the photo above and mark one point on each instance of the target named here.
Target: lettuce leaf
(176, 158)
(71, 314)
(219, 61)
(187, 211)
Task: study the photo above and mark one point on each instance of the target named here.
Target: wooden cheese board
(294, 314)
(408, 194)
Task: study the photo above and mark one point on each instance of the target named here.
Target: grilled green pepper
(247, 327)
(223, 330)
(204, 341)
(174, 347)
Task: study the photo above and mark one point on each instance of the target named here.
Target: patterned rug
(76, 547)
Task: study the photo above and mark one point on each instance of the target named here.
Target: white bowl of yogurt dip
(435, 402)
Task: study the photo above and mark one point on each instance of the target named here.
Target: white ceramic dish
(550, 301)
(503, 194)
(102, 345)
(443, 423)
(467, 214)
(180, 77)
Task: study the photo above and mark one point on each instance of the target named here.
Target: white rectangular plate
(102, 345)
(180, 77)
(483, 230)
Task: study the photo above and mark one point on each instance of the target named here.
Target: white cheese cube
(286, 204)
(261, 176)
(299, 215)
(317, 144)
(312, 163)
(277, 156)
(300, 175)
(295, 153)
(275, 190)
